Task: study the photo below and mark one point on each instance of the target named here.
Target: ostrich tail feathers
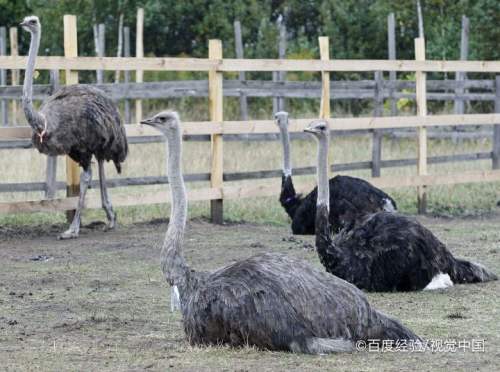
(317, 345)
(394, 330)
(118, 167)
(470, 272)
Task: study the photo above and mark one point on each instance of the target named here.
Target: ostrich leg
(74, 228)
(106, 204)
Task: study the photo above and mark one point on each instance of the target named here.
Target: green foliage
(357, 28)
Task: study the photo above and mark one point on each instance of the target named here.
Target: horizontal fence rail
(287, 89)
(236, 65)
(245, 176)
(296, 125)
(218, 129)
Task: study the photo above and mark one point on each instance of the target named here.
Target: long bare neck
(285, 141)
(173, 264)
(322, 173)
(322, 222)
(32, 116)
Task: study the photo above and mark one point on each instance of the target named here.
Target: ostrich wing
(262, 301)
(82, 121)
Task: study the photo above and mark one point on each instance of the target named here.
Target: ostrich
(350, 197)
(78, 121)
(270, 301)
(384, 251)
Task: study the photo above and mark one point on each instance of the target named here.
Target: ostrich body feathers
(350, 199)
(391, 252)
(276, 302)
(81, 122)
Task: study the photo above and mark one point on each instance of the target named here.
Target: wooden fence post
(14, 52)
(139, 53)
(215, 97)
(278, 101)
(238, 41)
(496, 127)
(459, 107)
(391, 41)
(51, 170)
(421, 99)
(126, 74)
(119, 49)
(282, 55)
(101, 49)
(3, 75)
(378, 109)
(324, 52)
(71, 50)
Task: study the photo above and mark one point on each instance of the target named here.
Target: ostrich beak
(149, 121)
(22, 24)
(309, 130)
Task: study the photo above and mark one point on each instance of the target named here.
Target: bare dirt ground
(99, 302)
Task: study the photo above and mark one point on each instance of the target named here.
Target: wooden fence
(218, 129)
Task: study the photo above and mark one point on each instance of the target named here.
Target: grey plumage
(78, 121)
(270, 301)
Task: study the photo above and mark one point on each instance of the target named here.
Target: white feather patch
(388, 206)
(440, 281)
(175, 299)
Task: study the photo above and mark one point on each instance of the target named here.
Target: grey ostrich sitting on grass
(78, 121)
(270, 301)
(350, 197)
(384, 251)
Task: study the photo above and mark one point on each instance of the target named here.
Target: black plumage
(350, 199)
(384, 251)
(391, 252)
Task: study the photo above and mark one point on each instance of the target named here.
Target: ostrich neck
(34, 119)
(323, 184)
(285, 140)
(322, 222)
(173, 264)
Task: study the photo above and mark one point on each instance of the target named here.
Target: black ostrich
(350, 197)
(384, 251)
(270, 301)
(78, 121)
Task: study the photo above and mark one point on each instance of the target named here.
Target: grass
(456, 200)
(100, 303)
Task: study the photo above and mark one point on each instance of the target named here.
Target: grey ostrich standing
(350, 197)
(78, 121)
(270, 301)
(384, 251)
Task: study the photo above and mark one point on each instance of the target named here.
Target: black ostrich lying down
(384, 251)
(350, 197)
(270, 301)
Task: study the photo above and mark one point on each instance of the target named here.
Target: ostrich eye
(321, 127)
(32, 21)
(163, 119)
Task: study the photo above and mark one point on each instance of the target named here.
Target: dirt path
(99, 302)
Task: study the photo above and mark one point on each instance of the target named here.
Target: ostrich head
(281, 118)
(319, 128)
(31, 24)
(166, 122)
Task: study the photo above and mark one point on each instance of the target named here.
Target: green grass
(21, 165)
